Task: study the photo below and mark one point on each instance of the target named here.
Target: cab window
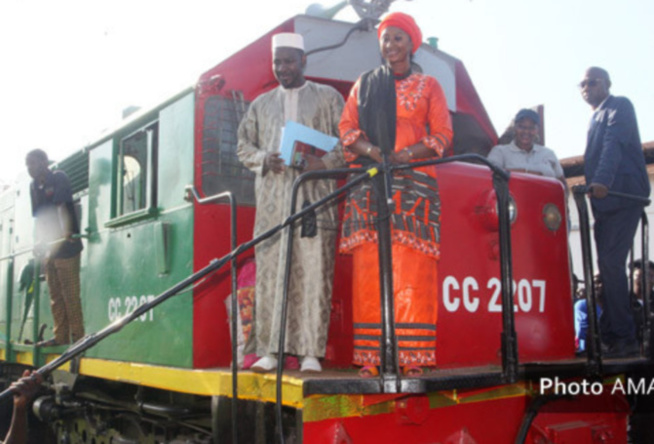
(136, 175)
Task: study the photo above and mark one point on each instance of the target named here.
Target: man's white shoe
(310, 364)
(264, 365)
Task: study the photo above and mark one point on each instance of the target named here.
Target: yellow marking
(372, 172)
(324, 407)
(442, 399)
(501, 392)
(3, 354)
(25, 357)
(51, 357)
(261, 387)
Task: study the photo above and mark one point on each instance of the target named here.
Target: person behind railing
(310, 288)
(24, 391)
(523, 154)
(56, 227)
(581, 314)
(614, 161)
(404, 114)
(637, 294)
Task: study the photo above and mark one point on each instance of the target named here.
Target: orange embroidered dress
(421, 116)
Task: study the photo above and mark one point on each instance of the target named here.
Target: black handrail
(94, 338)
(234, 297)
(509, 338)
(593, 340)
(644, 285)
(334, 173)
(389, 359)
(391, 382)
(594, 352)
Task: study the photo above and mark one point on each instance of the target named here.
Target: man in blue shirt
(614, 161)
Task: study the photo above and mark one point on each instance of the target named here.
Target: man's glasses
(590, 83)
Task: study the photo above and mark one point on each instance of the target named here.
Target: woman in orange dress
(404, 114)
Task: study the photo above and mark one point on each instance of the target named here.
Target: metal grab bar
(36, 294)
(192, 193)
(594, 357)
(509, 338)
(584, 189)
(392, 382)
(644, 285)
(234, 297)
(94, 338)
(45, 244)
(592, 336)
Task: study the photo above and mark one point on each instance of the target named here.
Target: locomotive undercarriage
(96, 411)
(102, 412)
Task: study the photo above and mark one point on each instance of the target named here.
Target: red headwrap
(406, 23)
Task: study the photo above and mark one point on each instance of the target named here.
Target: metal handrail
(94, 338)
(234, 297)
(593, 340)
(36, 294)
(46, 244)
(647, 302)
(509, 340)
(594, 354)
(390, 380)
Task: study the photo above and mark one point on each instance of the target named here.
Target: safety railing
(595, 363)
(390, 380)
(191, 193)
(32, 296)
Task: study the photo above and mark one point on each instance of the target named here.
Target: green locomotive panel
(138, 231)
(141, 238)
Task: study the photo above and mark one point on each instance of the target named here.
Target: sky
(69, 67)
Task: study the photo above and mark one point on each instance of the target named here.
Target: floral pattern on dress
(435, 144)
(409, 91)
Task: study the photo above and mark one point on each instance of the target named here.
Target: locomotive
(150, 196)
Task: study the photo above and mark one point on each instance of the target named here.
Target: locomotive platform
(301, 388)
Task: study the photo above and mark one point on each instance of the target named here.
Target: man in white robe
(312, 269)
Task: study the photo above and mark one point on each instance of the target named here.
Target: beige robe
(312, 269)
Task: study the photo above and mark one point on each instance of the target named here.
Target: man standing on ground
(614, 161)
(319, 107)
(56, 225)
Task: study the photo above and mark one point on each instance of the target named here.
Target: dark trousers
(614, 235)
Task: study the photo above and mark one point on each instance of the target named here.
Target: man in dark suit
(614, 161)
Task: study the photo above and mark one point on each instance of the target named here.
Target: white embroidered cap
(288, 40)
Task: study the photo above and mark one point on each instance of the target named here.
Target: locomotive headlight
(552, 217)
(488, 210)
